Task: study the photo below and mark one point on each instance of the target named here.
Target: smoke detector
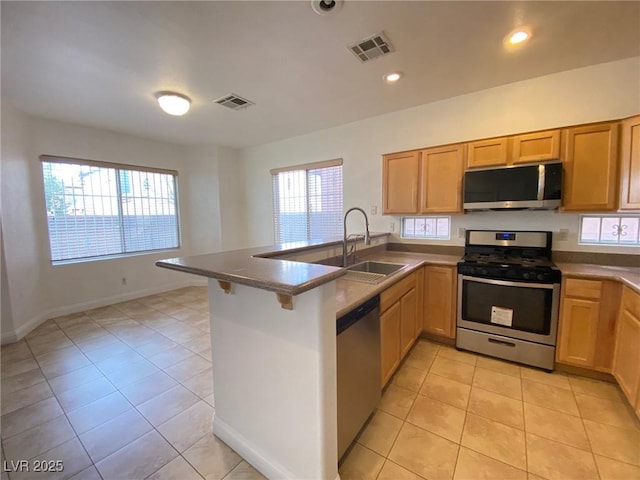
(372, 47)
(234, 102)
(326, 7)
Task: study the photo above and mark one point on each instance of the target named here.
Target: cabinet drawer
(631, 301)
(576, 287)
(392, 294)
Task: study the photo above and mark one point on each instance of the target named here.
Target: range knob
(525, 275)
(541, 276)
(483, 271)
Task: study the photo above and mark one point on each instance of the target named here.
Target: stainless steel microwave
(536, 187)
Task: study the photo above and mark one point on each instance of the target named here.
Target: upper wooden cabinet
(427, 181)
(514, 150)
(630, 164)
(441, 181)
(536, 147)
(590, 164)
(488, 153)
(400, 180)
(439, 300)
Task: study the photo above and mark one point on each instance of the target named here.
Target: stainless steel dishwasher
(358, 365)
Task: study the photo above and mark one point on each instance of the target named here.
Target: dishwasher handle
(356, 314)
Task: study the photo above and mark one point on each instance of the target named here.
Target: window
(610, 230)
(307, 202)
(437, 228)
(97, 209)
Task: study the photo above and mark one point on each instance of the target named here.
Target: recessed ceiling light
(392, 77)
(518, 36)
(173, 103)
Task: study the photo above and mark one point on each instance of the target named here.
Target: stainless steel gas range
(508, 296)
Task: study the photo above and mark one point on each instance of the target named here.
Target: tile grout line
(584, 426)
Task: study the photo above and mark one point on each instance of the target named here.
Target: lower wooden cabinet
(587, 324)
(626, 361)
(408, 317)
(390, 341)
(400, 308)
(440, 300)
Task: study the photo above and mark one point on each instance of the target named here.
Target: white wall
(600, 92)
(37, 290)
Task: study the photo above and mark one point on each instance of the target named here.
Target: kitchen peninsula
(274, 359)
(273, 337)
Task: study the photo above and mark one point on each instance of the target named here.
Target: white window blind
(307, 202)
(610, 230)
(97, 209)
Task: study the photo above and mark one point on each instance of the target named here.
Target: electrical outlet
(461, 232)
(392, 227)
(374, 209)
(124, 280)
(563, 235)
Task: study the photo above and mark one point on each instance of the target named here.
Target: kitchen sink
(376, 267)
(371, 272)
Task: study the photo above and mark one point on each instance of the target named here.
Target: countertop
(255, 267)
(350, 294)
(629, 276)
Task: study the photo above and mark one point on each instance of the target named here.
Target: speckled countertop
(253, 267)
(629, 276)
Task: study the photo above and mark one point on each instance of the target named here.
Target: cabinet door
(536, 147)
(420, 300)
(439, 298)
(441, 184)
(400, 182)
(630, 164)
(487, 153)
(591, 168)
(626, 361)
(390, 341)
(408, 311)
(578, 331)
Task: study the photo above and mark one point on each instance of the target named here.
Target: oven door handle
(510, 284)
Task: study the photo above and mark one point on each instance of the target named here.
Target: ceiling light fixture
(518, 36)
(173, 103)
(392, 77)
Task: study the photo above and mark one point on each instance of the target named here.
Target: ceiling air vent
(234, 102)
(372, 47)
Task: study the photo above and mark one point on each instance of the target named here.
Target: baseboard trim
(40, 318)
(259, 459)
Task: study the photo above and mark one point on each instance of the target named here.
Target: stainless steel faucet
(367, 240)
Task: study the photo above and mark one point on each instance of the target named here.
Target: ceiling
(100, 63)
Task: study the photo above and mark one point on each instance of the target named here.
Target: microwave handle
(509, 284)
(541, 177)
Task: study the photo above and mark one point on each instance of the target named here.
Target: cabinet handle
(502, 342)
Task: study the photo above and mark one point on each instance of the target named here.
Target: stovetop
(522, 256)
(509, 260)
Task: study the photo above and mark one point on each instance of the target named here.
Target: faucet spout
(367, 238)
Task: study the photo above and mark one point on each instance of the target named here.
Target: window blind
(98, 209)
(307, 202)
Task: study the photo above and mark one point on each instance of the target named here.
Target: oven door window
(527, 309)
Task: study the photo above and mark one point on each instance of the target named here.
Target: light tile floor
(125, 392)
(451, 414)
(120, 392)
